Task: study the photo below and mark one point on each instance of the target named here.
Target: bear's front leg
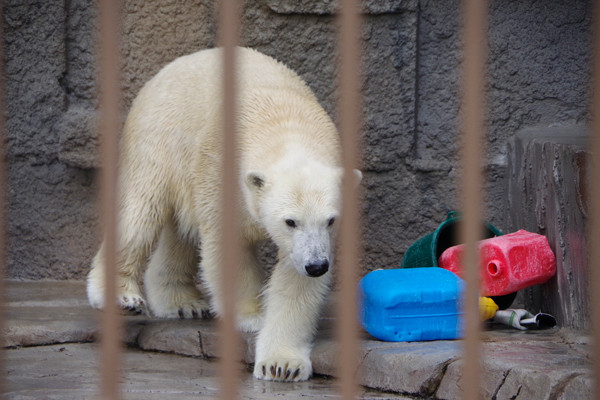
(292, 306)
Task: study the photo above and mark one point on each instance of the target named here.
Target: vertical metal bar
(230, 241)
(109, 125)
(3, 207)
(594, 178)
(475, 32)
(350, 122)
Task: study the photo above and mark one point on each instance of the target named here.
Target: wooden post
(109, 128)
(473, 101)
(230, 241)
(350, 125)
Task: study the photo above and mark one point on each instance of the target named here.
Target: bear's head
(299, 208)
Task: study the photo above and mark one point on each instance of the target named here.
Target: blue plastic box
(414, 304)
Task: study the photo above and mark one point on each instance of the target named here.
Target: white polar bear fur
(170, 180)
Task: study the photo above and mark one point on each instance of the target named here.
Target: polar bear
(170, 179)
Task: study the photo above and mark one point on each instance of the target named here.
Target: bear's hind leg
(170, 280)
(141, 215)
(129, 266)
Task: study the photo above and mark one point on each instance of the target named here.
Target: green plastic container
(426, 251)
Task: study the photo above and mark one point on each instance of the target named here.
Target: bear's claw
(283, 371)
(194, 309)
(204, 314)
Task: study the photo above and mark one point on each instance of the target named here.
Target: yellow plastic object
(487, 308)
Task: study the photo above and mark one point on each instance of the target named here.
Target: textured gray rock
(155, 33)
(537, 76)
(532, 47)
(547, 194)
(331, 7)
(538, 72)
(52, 218)
(79, 138)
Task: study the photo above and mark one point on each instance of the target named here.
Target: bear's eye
(291, 223)
(331, 221)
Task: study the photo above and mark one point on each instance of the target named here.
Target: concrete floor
(70, 371)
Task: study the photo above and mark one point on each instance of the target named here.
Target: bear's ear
(255, 180)
(355, 176)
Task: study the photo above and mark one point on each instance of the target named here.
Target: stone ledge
(550, 364)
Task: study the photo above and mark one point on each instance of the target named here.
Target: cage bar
(594, 222)
(230, 241)
(350, 253)
(109, 128)
(3, 219)
(473, 100)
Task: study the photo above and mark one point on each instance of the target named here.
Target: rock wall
(52, 216)
(537, 76)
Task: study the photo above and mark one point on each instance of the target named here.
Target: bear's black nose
(317, 268)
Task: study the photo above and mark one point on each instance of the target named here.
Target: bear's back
(187, 91)
(203, 72)
(175, 120)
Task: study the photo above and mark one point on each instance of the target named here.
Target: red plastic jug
(508, 263)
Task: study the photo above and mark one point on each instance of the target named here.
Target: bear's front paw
(132, 303)
(290, 370)
(191, 309)
(176, 300)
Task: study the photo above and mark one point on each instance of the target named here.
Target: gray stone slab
(535, 370)
(579, 387)
(181, 338)
(531, 366)
(415, 368)
(55, 326)
(538, 365)
(48, 312)
(188, 337)
(46, 293)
